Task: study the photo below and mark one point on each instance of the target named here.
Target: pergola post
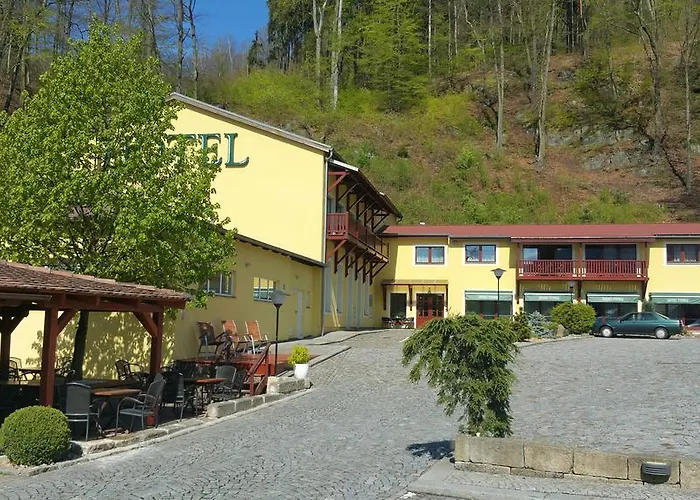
(48, 357)
(157, 344)
(9, 320)
(53, 325)
(154, 326)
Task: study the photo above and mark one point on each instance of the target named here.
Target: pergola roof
(21, 284)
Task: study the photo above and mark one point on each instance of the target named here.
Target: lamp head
(498, 272)
(571, 284)
(278, 297)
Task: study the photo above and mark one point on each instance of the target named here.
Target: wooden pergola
(61, 295)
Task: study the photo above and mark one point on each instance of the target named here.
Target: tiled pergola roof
(61, 295)
(27, 280)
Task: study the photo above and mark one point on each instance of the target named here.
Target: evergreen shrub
(35, 435)
(540, 325)
(577, 318)
(521, 326)
(467, 359)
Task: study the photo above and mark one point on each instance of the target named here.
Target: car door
(648, 323)
(628, 323)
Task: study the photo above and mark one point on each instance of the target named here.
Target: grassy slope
(439, 163)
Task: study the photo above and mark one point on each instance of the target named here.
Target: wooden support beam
(340, 197)
(340, 176)
(48, 357)
(65, 318)
(376, 224)
(9, 321)
(148, 323)
(358, 199)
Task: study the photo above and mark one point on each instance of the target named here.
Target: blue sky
(236, 19)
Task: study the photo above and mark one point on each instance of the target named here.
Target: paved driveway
(621, 394)
(363, 432)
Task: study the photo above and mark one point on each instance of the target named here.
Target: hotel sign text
(207, 140)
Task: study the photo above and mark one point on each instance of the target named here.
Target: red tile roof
(22, 278)
(551, 231)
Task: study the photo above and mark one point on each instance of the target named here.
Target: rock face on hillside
(605, 149)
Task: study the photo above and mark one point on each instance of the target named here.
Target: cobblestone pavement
(626, 394)
(363, 432)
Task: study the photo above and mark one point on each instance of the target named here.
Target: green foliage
(35, 435)
(613, 207)
(467, 358)
(299, 355)
(521, 326)
(576, 317)
(540, 325)
(87, 184)
(648, 306)
(617, 99)
(393, 52)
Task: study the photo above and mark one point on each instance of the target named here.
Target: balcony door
(429, 306)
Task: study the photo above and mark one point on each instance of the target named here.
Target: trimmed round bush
(576, 317)
(35, 435)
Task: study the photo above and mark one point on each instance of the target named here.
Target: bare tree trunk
(650, 37)
(541, 139)
(449, 34)
(430, 37)
(318, 28)
(179, 15)
(79, 346)
(191, 5)
(688, 129)
(335, 55)
(500, 78)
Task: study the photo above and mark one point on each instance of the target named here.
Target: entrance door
(300, 314)
(429, 306)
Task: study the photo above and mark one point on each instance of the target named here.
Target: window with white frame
(426, 255)
(368, 306)
(479, 253)
(327, 288)
(682, 254)
(339, 292)
(263, 288)
(221, 284)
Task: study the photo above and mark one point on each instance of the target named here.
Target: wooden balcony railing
(582, 269)
(341, 226)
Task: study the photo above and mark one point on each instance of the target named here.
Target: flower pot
(301, 371)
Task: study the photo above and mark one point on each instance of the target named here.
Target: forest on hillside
(464, 111)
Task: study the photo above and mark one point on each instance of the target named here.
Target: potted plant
(299, 358)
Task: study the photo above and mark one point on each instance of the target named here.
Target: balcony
(604, 270)
(340, 226)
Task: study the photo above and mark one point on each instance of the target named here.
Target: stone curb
(351, 336)
(435, 482)
(161, 434)
(549, 341)
(538, 459)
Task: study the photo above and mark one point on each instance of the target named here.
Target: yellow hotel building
(315, 227)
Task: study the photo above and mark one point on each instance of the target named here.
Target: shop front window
(613, 310)
(487, 308)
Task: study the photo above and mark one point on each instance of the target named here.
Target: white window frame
(429, 264)
(339, 292)
(481, 244)
(215, 285)
(258, 286)
(328, 290)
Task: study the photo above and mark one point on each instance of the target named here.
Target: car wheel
(606, 332)
(661, 333)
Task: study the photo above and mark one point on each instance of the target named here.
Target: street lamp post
(498, 272)
(571, 284)
(277, 299)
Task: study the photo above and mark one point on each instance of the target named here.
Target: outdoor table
(108, 397)
(203, 385)
(34, 372)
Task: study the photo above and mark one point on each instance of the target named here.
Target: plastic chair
(239, 343)
(174, 391)
(207, 337)
(258, 339)
(79, 406)
(145, 404)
